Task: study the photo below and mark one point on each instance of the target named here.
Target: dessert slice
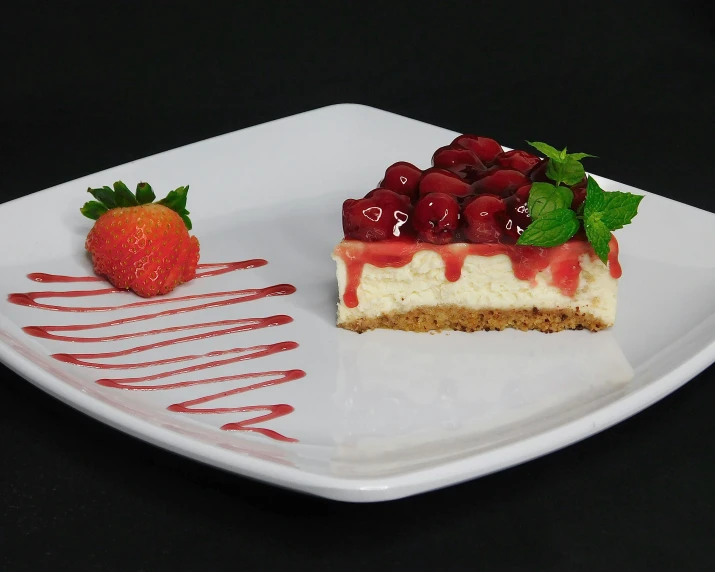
(483, 240)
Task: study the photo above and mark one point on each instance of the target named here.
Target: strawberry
(138, 244)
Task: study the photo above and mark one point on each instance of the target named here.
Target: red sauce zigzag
(220, 328)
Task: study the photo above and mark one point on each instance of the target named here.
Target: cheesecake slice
(455, 247)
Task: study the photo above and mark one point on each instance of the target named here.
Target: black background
(86, 86)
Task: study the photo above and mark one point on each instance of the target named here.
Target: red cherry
(501, 182)
(579, 196)
(437, 180)
(401, 178)
(517, 160)
(538, 172)
(455, 156)
(481, 218)
(486, 149)
(436, 218)
(379, 216)
(516, 218)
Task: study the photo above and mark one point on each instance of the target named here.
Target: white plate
(377, 416)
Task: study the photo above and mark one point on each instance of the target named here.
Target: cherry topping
(436, 218)
(517, 160)
(538, 172)
(379, 216)
(401, 178)
(455, 156)
(481, 218)
(579, 195)
(436, 180)
(516, 218)
(486, 149)
(501, 182)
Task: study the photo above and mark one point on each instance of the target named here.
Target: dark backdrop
(86, 86)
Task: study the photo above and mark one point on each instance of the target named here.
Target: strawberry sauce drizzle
(527, 261)
(225, 327)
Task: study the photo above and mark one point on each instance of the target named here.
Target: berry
(436, 218)
(381, 215)
(141, 245)
(579, 196)
(516, 217)
(481, 219)
(402, 178)
(517, 160)
(437, 180)
(501, 182)
(455, 157)
(538, 172)
(484, 148)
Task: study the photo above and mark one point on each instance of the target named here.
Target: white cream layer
(486, 282)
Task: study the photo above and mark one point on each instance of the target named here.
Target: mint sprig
(553, 221)
(120, 196)
(552, 229)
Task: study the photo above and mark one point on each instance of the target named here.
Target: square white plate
(376, 416)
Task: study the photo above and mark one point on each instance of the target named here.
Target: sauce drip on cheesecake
(527, 261)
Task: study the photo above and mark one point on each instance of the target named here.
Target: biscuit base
(458, 318)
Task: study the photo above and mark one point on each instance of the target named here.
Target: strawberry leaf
(123, 196)
(93, 209)
(176, 201)
(145, 194)
(105, 195)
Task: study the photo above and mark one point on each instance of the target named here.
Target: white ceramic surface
(377, 416)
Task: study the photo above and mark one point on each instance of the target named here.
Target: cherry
(436, 218)
(401, 177)
(501, 182)
(379, 216)
(516, 218)
(436, 180)
(538, 172)
(579, 195)
(486, 149)
(481, 219)
(517, 160)
(455, 157)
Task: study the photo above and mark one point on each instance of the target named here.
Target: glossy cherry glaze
(210, 330)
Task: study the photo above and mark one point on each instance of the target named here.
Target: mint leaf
(545, 197)
(123, 196)
(562, 154)
(595, 198)
(552, 229)
(619, 209)
(579, 156)
(105, 195)
(145, 194)
(568, 171)
(548, 150)
(93, 209)
(598, 235)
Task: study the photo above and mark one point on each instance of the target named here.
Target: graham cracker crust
(437, 318)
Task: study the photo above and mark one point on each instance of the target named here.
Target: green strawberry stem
(120, 196)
